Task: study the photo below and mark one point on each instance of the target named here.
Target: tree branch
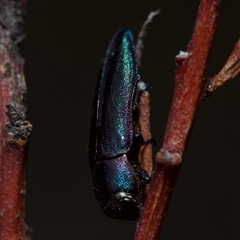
(189, 89)
(14, 129)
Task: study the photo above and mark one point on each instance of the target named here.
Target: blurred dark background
(65, 44)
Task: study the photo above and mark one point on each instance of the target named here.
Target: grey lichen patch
(18, 129)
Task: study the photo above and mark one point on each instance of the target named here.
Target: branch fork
(191, 87)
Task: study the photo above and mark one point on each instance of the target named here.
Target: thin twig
(230, 70)
(145, 155)
(142, 34)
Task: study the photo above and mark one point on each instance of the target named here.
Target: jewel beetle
(115, 140)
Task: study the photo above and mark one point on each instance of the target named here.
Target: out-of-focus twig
(230, 70)
(14, 129)
(142, 34)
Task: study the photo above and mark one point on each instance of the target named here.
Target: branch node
(183, 55)
(167, 157)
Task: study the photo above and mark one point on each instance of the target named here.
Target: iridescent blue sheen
(114, 140)
(117, 176)
(116, 92)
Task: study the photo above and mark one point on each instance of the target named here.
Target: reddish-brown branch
(14, 130)
(189, 87)
(145, 155)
